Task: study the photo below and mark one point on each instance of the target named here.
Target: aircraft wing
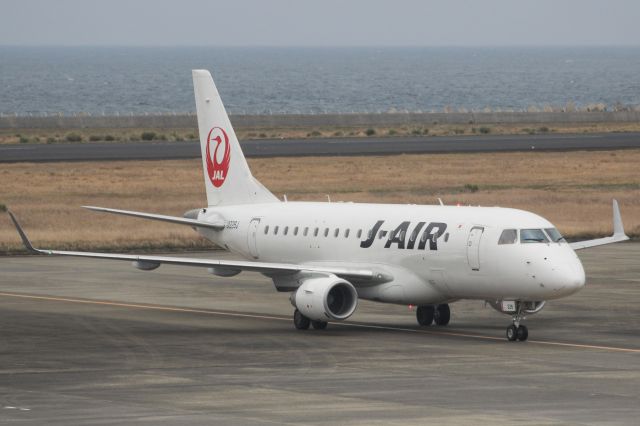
(171, 219)
(618, 233)
(369, 276)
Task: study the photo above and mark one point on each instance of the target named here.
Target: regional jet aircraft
(329, 255)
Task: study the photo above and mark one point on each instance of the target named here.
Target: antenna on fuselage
(328, 198)
(440, 201)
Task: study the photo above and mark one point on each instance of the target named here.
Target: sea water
(139, 80)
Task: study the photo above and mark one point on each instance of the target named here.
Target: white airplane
(328, 255)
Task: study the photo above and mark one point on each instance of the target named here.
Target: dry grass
(115, 135)
(15, 136)
(429, 129)
(573, 190)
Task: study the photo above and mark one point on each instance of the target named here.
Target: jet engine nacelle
(145, 265)
(223, 272)
(325, 298)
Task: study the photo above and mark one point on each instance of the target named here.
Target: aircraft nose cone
(572, 277)
(577, 277)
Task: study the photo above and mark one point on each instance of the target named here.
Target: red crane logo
(218, 161)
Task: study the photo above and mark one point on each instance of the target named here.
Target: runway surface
(311, 147)
(98, 342)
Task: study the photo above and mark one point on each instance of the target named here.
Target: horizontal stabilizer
(218, 225)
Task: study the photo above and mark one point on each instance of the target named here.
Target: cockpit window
(508, 236)
(555, 235)
(533, 236)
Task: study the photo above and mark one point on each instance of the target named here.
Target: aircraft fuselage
(434, 253)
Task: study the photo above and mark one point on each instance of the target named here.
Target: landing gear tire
(522, 333)
(442, 315)
(512, 333)
(300, 321)
(517, 331)
(425, 314)
(319, 325)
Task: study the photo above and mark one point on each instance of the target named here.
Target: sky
(320, 23)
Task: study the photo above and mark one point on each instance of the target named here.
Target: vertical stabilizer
(227, 177)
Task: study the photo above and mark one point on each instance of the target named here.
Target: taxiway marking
(275, 318)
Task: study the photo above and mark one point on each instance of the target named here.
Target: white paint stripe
(16, 148)
(139, 306)
(348, 324)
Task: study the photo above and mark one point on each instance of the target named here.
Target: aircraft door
(252, 237)
(473, 247)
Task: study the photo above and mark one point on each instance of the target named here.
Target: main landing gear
(302, 323)
(516, 331)
(436, 314)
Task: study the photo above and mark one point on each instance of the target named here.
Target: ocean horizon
(295, 80)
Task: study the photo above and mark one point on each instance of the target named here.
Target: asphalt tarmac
(314, 147)
(98, 342)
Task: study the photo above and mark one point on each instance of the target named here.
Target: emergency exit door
(253, 237)
(473, 247)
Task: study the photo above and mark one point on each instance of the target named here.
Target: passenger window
(533, 236)
(306, 231)
(286, 229)
(315, 232)
(446, 237)
(402, 233)
(424, 237)
(275, 230)
(346, 233)
(381, 234)
(508, 236)
(359, 235)
(326, 232)
(266, 230)
(295, 231)
(336, 232)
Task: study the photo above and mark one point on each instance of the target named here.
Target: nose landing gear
(516, 331)
(520, 333)
(517, 310)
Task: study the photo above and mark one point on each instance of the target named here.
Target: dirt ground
(573, 190)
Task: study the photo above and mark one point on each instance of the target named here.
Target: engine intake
(325, 298)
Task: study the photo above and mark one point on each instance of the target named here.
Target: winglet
(25, 239)
(618, 233)
(618, 227)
